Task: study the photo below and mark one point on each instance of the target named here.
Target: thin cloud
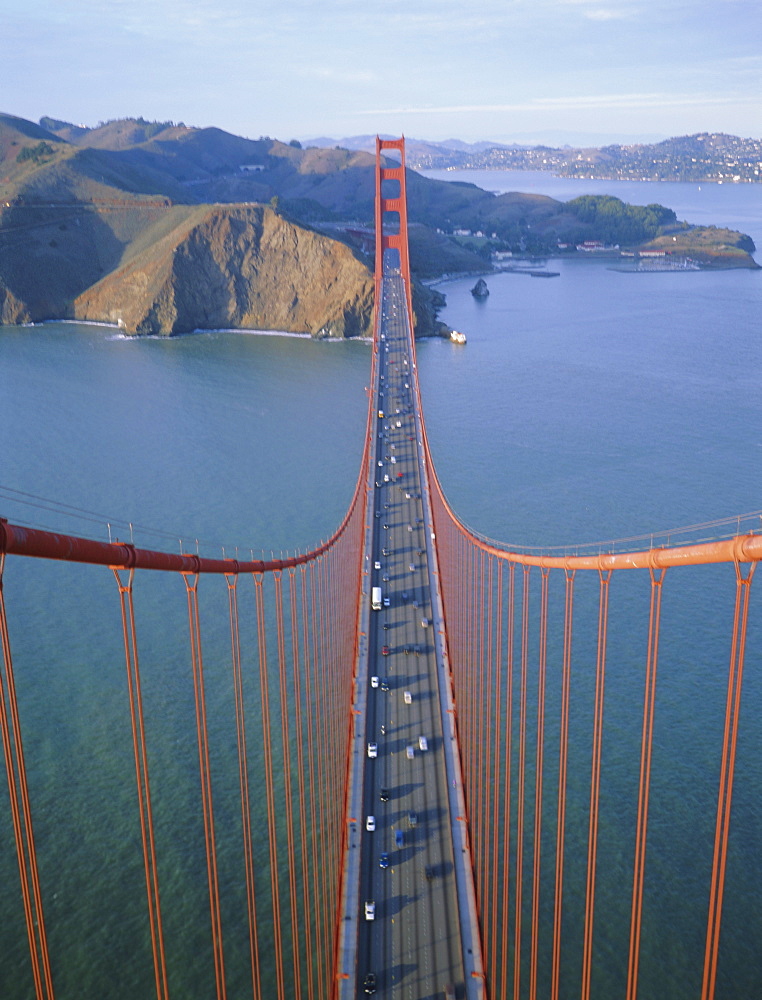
(341, 76)
(606, 14)
(595, 103)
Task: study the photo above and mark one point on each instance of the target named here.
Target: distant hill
(129, 220)
(705, 156)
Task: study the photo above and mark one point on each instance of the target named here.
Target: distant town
(707, 156)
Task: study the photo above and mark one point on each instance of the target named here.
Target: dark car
(383, 861)
(412, 818)
(369, 983)
(399, 838)
(385, 650)
(384, 794)
(384, 684)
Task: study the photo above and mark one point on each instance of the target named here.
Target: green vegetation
(39, 153)
(615, 222)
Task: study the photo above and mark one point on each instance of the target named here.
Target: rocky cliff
(230, 267)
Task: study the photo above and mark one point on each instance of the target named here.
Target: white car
(408, 698)
(374, 682)
(410, 751)
(423, 743)
(377, 564)
(370, 909)
(373, 749)
(370, 824)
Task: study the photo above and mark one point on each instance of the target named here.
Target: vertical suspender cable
(727, 771)
(489, 789)
(646, 744)
(497, 754)
(477, 802)
(143, 785)
(562, 767)
(287, 794)
(538, 780)
(21, 813)
(324, 791)
(315, 783)
(300, 803)
(595, 784)
(510, 613)
(243, 778)
(269, 781)
(521, 789)
(308, 908)
(202, 733)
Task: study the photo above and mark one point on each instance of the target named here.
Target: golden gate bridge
(494, 889)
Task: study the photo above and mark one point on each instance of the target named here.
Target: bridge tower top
(396, 239)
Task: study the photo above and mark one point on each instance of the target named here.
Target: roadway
(413, 946)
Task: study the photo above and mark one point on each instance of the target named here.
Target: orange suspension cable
(521, 783)
(497, 708)
(142, 782)
(479, 761)
(595, 784)
(278, 578)
(315, 777)
(324, 792)
(21, 814)
(272, 830)
(308, 909)
(489, 831)
(646, 743)
(562, 768)
(300, 803)
(243, 778)
(197, 666)
(505, 950)
(727, 771)
(538, 780)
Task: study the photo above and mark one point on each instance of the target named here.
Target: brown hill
(230, 267)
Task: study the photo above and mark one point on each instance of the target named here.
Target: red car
(385, 651)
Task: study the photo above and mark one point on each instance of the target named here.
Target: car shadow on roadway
(395, 974)
(399, 791)
(394, 905)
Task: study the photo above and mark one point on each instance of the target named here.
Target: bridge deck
(420, 940)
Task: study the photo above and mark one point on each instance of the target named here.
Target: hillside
(234, 267)
(124, 221)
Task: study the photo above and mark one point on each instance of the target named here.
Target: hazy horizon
(506, 70)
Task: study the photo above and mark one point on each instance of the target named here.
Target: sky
(548, 70)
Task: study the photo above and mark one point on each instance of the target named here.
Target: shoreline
(526, 265)
(249, 331)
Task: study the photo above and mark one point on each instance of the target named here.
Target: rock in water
(480, 290)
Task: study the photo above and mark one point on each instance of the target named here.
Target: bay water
(589, 406)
